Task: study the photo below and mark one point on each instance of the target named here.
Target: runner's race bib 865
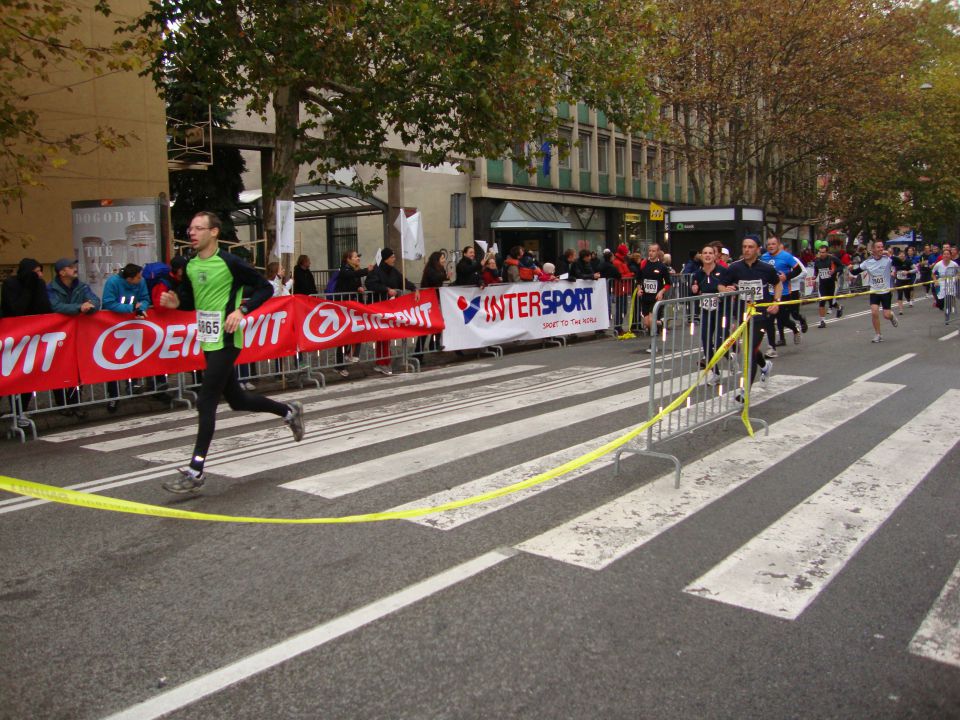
(209, 324)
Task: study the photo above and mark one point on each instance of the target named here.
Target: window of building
(343, 237)
(603, 152)
(566, 137)
(636, 160)
(620, 158)
(584, 151)
(651, 164)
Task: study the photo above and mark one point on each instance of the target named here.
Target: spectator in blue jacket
(126, 292)
(69, 296)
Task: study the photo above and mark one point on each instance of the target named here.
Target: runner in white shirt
(945, 272)
(879, 267)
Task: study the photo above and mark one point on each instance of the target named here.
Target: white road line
(883, 368)
(783, 569)
(451, 519)
(137, 440)
(391, 467)
(350, 391)
(939, 636)
(950, 336)
(601, 536)
(250, 453)
(215, 681)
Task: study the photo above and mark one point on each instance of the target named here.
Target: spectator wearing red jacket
(170, 282)
(622, 288)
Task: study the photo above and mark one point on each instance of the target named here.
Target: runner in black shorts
(654, 283)
(826, 267)
(879, 268)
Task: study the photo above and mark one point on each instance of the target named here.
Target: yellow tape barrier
(628, 335)
(100, 502)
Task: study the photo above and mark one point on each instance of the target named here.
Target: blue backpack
(331, 287)
(156, 272)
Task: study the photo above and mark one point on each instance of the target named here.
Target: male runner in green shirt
(212, 286)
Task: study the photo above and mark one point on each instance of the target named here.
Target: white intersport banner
(475, 317)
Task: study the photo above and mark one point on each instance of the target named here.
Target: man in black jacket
(384, 283)
(303, 282)
(25, 294)
(583, 269)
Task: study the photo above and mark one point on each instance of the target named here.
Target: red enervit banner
(326, 323)
(37, 352)
(43, 352)
(115, 346)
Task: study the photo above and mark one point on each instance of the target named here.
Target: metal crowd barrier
(77, 401)
(693, 329)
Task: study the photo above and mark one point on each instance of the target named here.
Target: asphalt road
(517, 611)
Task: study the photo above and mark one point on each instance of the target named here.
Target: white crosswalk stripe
(601, 536)
(129, 425)
(784, 568)
(360, 476)
(131, 440)
(249, 453)
(939, 636)
(455, 518)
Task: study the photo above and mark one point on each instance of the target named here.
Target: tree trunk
(286, 108)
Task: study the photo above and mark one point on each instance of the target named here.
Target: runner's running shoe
(188, 481)
(765, 371)
(295, 420)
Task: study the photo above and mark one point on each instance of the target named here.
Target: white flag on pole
(285, 226)
(411, 235)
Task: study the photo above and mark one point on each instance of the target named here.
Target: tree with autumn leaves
(38, 42)
(346, 80)
(765, 97)
(901, 166)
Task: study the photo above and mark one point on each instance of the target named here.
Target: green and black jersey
(216, 284)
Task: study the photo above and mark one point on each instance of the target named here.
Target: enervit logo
(325, 322)
(263, 329)
(27, 349)
(133, 341)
